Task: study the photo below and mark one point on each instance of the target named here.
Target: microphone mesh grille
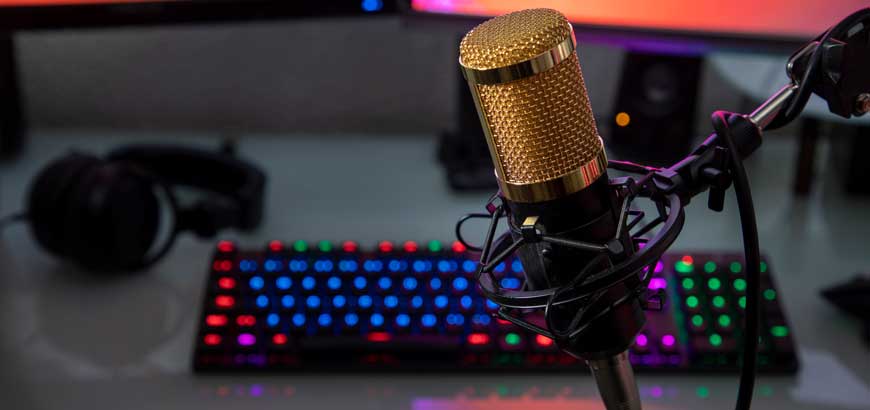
(542, 126)
(513, 38)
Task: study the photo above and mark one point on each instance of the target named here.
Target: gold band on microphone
(524, 69)
(567, 184)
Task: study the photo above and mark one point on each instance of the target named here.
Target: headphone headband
(223, 174)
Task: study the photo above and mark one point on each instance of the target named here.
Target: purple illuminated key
(668, 340)
(657, 283)
(246, 339)
(641, 340)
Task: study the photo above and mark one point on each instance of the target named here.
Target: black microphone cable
(752, 255)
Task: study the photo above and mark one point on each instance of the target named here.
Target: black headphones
(105, 213)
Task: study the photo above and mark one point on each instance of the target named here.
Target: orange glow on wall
(767, 18)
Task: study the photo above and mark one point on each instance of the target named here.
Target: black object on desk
(853, 297)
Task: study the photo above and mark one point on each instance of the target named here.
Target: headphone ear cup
(114, 218)
(48, 198)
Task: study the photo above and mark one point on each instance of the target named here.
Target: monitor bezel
(156, 12)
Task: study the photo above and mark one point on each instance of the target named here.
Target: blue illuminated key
(324, 319)
(262, 301)
(403, 320)
(428, 320)
(339, 301)
(466, 302)
(298, 265)
(333, 283)
(288, 301)
(441, 301)
(377, 320)
(500, 267)
(421, 266)
(365, 301)
(298, 320)
(283, 283)
(347, 266)
(360, 283)
(435, 284)
(455, 319)
(272, 265)
(510, 283)
(256, 282)
(460, 284)
(273, 319)
(517, 266)
(323, 265)
(396, 265)
(313, 302)
(373, 266)
(308, 283)
(447, 266)
(481, 320)
(417, 302)
(351, 319)
(409, 283)
(469, 266)
(384, 283)
(391, 301)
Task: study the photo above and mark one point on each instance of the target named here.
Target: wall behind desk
(375, 75)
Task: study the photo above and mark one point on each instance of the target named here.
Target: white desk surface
(73, 340)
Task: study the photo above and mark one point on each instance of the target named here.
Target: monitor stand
(11, 120)
(653, 119)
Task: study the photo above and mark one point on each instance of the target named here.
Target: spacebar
(386, 342)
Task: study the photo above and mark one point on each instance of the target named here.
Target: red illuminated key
(216, 320)
(478, 339)
(410, 246)
(276, 246)
(224, 301)
(279, 339)
(458, 247)
(246, 320)
(379, 337)
(385, 246)
(543, 341)
(223, 266)
(212, 339)
(225, 246)
(227, 283)
(349, 246)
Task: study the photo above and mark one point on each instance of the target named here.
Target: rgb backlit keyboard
(302, 306)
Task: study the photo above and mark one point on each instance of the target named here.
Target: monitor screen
(745, 19)
(18, 3)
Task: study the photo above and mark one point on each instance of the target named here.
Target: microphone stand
(833, 66)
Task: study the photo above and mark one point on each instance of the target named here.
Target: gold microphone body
(525, 78)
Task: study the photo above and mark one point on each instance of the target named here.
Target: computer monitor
(775, 23)
(18, 15)
(51, 14)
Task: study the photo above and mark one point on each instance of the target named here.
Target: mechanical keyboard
(309, 307)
